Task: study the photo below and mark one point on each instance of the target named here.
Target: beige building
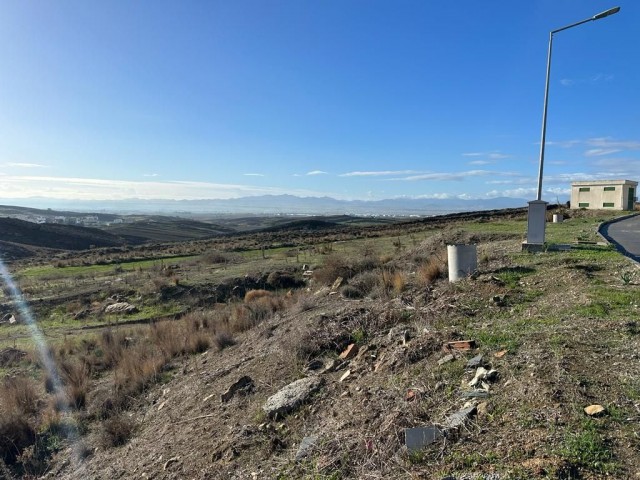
(604, 194)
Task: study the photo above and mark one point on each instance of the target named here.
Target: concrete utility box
(604, 194)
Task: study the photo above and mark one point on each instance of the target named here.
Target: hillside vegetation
(499, 367)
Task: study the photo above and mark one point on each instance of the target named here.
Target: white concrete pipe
(463, 261)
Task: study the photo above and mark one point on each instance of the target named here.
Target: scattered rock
(500, 354)
(243, 386)
(400, 333)
(417, 438)
(459, 418)
(446, 359)
(594, 410)
(121, 307)
(306, 446)
(475, 362)
(292, 396)
(345, 375)
(349, 352)
(170, 461)
(331, 365)
(476, 394)
(12, 320)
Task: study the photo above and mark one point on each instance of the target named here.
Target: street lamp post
(537, 214)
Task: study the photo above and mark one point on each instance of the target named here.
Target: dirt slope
(534, 323)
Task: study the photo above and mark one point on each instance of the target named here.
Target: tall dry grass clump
(394, 281)
(430, 271)
(18, 403)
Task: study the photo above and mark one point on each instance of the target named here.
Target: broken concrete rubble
(475, 362)
(419, 437)
(459, 418)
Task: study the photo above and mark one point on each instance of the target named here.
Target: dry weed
(430, 271)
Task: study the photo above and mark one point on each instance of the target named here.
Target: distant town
(81, 220)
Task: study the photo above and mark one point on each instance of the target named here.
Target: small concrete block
(417, 438)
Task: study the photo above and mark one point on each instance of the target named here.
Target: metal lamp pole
(538, 208)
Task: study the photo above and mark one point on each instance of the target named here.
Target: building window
(609, 189)
(583, 205)
(584, 189)
(608, 204)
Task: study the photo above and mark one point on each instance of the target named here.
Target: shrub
(117, 430)
(366, 282)
(334, 266)
(16, 434)
(223, 340)
(349, 291)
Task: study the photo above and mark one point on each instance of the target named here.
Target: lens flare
(44, 352)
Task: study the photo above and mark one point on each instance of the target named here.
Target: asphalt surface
(626, 235)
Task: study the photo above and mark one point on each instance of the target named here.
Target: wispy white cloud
(381, 173)
(23, 165)
(608, 142)
(597, 78)
(494, 155)
(253, 174)
(598, 152)
(448, 176)
(151, 175)
(99, 189)
(490, 157)
(562, 143)
(316, 172)
(619, 167)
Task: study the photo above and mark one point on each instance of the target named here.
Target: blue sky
(347, 98)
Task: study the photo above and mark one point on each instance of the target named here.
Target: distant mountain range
(278, 204)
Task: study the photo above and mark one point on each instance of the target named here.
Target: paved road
(626, 234)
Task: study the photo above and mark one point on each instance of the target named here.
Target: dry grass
(18, 396)
(394, 281)
(253, 295)
(430, 271)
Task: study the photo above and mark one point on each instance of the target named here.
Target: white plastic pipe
(463, 261)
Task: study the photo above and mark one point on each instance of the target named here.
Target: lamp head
(606, 13)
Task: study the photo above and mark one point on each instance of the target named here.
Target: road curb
(610, 240)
